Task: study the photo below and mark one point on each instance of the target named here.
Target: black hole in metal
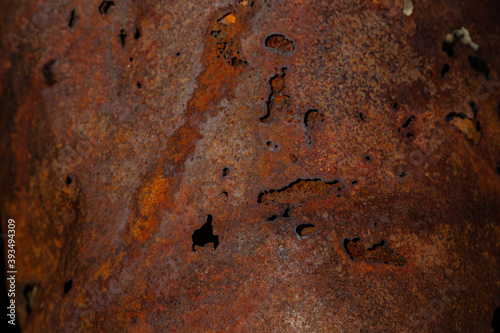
(71, 18)
(496, 320)
(300, 228)
(105, 6)
(205, 235)
(123, 35)
(446, 69)
(67, 286)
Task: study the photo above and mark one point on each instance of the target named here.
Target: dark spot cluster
(225, 43)
(273, 146)
(405, 128)
(476, 63)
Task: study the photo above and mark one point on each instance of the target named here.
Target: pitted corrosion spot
(314, 117)
(305, 229)
(298, 191)
(280, 42)
(378, 252)
(277, 100)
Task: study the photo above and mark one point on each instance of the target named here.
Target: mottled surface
(125, 126)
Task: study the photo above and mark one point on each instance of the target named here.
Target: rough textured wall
(252, 165)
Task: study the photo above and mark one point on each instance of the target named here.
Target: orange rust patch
(154, 194)
(216, 80)
(228, 19)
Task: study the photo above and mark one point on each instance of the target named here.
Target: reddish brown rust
(115, 151)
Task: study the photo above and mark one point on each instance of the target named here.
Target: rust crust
(252, 166)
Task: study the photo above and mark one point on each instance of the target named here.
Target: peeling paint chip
(462, 35)
(408, 7)
(228, 19)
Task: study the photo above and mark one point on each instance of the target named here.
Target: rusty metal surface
(283, 166)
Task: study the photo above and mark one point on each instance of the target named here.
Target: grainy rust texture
(252, 166)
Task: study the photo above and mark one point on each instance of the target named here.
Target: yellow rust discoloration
(468, 127)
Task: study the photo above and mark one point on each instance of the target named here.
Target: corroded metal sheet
(282, 166)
